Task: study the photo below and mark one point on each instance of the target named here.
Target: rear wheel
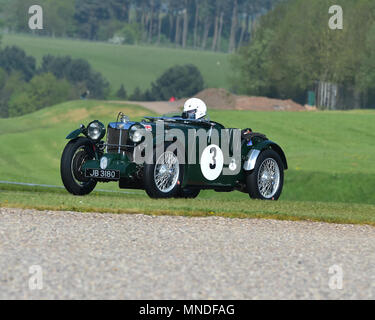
(75, 154)
(266, 181)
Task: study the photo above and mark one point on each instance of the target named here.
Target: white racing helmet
(194, 108)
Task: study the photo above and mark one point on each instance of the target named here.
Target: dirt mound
(217, 98)
(266, 104)
(223, 99)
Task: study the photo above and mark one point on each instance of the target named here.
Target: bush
(130, 34)
(42, 91)
(121, 93)
(136, 95)
(78, 72)
(10, 85)
(179, 82)
(15, 59)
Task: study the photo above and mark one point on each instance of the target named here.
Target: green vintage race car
(172, 156)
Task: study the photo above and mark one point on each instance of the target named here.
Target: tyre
(266, 181)
(75, 154)
(162, 179)
(188, 193)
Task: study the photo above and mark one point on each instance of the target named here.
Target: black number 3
(213, 165)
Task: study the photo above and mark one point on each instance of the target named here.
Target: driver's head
(194, 108)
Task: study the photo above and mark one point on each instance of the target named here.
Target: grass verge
(57, 199)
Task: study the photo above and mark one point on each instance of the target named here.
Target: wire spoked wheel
(268, 178)
(166, 172)
(163, 177)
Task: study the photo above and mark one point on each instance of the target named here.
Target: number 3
(213, 165)
(211, 162)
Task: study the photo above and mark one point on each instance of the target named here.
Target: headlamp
(96, 130)
(136, 133)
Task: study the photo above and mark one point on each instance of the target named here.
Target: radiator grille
(113, 137)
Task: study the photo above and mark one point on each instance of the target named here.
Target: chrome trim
(121, 125)
(119, 142)
(251, 160)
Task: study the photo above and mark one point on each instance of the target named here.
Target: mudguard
(74, 134)
(255, 151)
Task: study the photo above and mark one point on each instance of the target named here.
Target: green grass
(331, 155)
(331, 174)
(33, 143)
(44, 199)
(131, 65)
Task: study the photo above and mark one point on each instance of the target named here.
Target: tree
(131, 33)
(43, 90)
(179, 82)
(9, 84)
(252, 67)
(206, 14)
(88, 16)
(121, 9)
(186, 23)
(58, 17)
(136, 95)
(232, 39)
(121, 93)
(78, 72)
(15, 59)
(293, 52)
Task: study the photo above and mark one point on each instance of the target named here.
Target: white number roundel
(212, 162)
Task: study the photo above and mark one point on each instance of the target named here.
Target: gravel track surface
(108, 256)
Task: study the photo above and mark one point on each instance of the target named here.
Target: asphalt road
(107, 256)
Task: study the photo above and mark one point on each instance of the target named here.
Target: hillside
(131, 65)
(329, 153)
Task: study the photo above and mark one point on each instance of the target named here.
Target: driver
(194, 109)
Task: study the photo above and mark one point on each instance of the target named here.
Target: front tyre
(266, 181)
(75, 154)
(162, 179)
(188, 193)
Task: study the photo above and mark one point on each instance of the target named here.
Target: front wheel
(266, 181)
(163, 179)
(75, 154)
(188, 193)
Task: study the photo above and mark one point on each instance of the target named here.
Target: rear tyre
(266, 181)
(75, 154)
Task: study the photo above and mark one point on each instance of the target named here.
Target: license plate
(102, 174)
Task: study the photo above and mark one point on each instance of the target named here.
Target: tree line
(24, 88)
(295, 51)
(219, 25)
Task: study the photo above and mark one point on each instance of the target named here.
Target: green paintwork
(270, 144)
(74, 134)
